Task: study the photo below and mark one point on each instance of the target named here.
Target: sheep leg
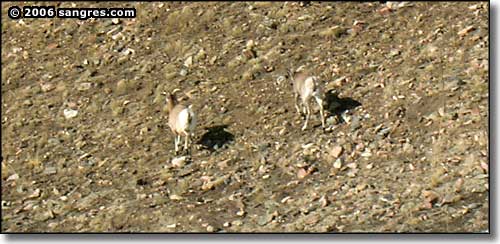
(321, 110)
(308, 114)
(297, 98)
(176, 142)
(186, 142)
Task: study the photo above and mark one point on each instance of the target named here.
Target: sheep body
(182, 120)
(306, 87)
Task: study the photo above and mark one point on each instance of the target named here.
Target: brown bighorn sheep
(181, 119)
(306, 86)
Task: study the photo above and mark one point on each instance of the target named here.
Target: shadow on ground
(336, 105)
(215, 138)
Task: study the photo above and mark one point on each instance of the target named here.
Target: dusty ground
(406, 148)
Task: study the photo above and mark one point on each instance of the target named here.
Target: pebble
(27, 102)
(13, 177)
(183, 72)
(179, 161)
(189, 61)
(355, 123)
(352, 165)
(302, 173)
(70, 113)
(50, 170)
(337, 164)
(175, 197)
(46, 87)
(280, 79)
(466, 30)
(237, 222)
(84, 86)
(210, 228)
(336, 151)
(458, 184)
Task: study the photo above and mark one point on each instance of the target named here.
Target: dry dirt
(86, 147)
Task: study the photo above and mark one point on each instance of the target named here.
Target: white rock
(337, 164)
(70, 113)
(179, 161)
(189, 61)
(13, 177)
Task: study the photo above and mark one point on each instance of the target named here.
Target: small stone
(213, 59)
(27, 102)
(394, 53)
(336, 151)
(179, 161)
(302, 173)
(115, 21)
(338, 82)
(13, 177)
(189, 61)
(223, 164)
(430, 196)
(171, 225)
(337, 164)
(175, 197)
(411, 167)
(46, 87)
(237, 222)
(355, 123)
(250, 44)
(466, 30)
(226, 224)
(183, 72)
(50, 170)
(352, 165)
(70, 113)
(484, 166)
(323, 201)
(458, 184)
(366, 153)
(240, 212)
(84, 86)
(210, 228)
(35, 194)
(280, 79)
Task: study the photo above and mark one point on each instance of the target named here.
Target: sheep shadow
(336, 106)
(216, 137)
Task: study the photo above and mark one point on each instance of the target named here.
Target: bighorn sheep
(181, 119)
(306, 86)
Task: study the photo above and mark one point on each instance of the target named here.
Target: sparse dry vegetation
(86, 146)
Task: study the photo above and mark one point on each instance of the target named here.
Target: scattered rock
(336, 151)
(189, 62)
(70, 113)
(175, 197)
(13, 177)
(46, 87)
(466, 30)
(179, 161)
(50, 170)
(430, 197)
(84, 86)
(337, 164)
